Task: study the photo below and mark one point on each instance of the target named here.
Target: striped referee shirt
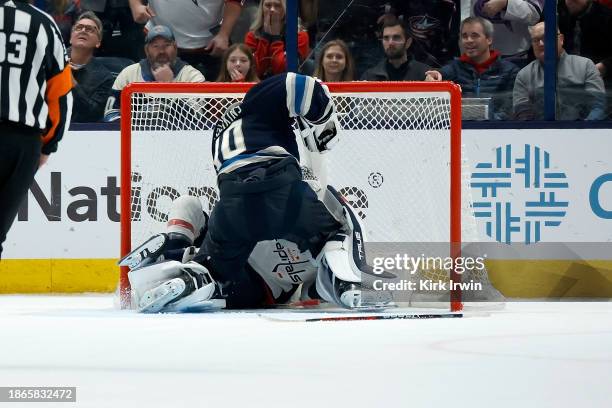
(35, 79)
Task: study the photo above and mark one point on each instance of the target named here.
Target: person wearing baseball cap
(160, 65)
(159, 31)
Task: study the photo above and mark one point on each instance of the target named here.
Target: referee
(35, 100)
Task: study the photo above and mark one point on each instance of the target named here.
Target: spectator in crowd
(267, 39)
(512, 19)
(399, 64)
(238, 65)
(160, 65)
(586, 26)
(117, 19)
(433, 26)
(91, 80)
(480, 70)
(580, 89)
(243, 25)
(335, 63)
(309, 11)
(202, 28)
(65, 13)
(356, 24)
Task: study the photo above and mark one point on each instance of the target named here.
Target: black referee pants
(19, 156)
(268, 203)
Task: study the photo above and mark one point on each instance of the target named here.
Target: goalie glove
(319, 138)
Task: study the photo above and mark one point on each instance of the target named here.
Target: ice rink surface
(527, 355)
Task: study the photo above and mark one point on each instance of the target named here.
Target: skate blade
(204, 306)
(366, 300)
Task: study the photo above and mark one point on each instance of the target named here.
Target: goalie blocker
(163, 277)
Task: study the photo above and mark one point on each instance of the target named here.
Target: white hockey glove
(319, 138)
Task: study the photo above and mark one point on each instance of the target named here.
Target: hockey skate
(192, 290)
(160, 247)
(353, 296)
(146, 253)
(349, 294)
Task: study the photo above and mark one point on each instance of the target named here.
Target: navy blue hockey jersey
(260, 129)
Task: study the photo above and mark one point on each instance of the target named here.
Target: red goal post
(136, 121)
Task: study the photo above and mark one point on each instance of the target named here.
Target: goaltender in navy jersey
(257, 131)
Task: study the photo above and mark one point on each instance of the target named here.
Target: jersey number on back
(229, 144)
(18, 42)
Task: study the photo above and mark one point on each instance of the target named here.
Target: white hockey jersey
(282, 266)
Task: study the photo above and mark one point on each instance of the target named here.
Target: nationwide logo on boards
(89, 203)
(495, 184)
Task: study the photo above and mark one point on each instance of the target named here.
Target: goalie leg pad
(172, 286)
(148, 277)
(343, 261)
(346, 252)
(154, 300)
(354, 243)
(351, 295)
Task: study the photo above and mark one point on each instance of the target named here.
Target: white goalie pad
(355, 240)
(155, 287)
(337, 256)
(342, 261)
(148, 277)
(351, 295)
(345, 254)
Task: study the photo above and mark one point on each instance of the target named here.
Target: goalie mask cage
(398, 162)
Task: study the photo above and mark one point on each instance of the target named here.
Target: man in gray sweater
(580, 89)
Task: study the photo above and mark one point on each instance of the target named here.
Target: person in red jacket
(267, 39)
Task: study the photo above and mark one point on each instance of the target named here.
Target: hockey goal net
(398, 163)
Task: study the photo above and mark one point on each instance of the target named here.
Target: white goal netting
(393, 162)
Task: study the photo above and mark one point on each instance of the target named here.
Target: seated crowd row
(480, 70)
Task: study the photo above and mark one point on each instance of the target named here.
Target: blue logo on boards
(495, 183)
